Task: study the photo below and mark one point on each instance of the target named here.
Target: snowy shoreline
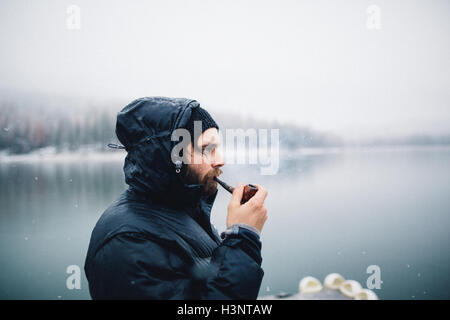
(50, 154)
(89, 154)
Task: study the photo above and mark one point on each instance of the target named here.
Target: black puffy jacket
(156, 240)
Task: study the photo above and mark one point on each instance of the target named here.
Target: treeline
(28, 126)
(25, 127)
(291, 136)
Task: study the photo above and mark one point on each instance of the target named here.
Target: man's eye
(207, 150)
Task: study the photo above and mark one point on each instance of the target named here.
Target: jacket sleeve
(236, 271)
(130, 266)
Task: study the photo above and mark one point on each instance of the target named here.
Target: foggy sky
(314, 63)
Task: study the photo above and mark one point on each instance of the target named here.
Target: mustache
(212, 173)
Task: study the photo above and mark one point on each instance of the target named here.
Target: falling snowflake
(36, 178)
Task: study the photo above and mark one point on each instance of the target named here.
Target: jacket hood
(145, 127)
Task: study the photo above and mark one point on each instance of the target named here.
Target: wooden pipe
(249, 190)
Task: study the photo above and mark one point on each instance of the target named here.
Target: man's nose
(217, 160)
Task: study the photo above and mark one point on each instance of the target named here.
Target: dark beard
(208, 183)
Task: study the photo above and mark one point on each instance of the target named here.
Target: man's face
(211, 161)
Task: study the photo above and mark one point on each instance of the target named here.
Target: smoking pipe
(249, 190)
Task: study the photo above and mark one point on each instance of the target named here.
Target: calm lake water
(328, 212)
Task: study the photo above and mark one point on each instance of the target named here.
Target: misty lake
(328, 212)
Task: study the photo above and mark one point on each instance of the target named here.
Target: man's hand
(253, 212)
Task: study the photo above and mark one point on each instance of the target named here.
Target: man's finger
(261, 194)
(237, 195)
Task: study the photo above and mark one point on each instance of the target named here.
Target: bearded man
(156, 241)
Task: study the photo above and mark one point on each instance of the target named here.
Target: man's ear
(188, 157)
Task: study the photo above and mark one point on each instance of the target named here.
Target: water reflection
(336, 212)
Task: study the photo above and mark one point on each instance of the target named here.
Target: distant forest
(25, 128)
(28, 126)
